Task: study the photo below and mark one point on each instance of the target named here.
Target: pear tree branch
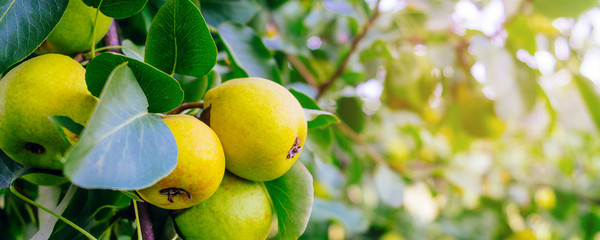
(185, 106)
(353, 47)
(304, 72)
(112, 38)
(146, 224)
(362, 143)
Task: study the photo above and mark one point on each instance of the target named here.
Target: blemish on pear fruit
(295, 149)
(34, 148)
(171, 192)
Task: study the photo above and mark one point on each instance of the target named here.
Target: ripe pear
(261, 126)
(200, 166)
(74, 33)
(42, 87)
(240, 209)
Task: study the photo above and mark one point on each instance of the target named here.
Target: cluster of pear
(252, 127)
(252, 130)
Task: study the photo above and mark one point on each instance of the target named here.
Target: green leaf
(218, 11)
(133, 51)
(352, 218)
(305, 101)
(68, 129)
(319, 141)
(132, 195)
(44, 177)
(69, 124)
(162, 91)
(194, 88)
(314, 115)
(123, 147)
(318, 118)
(248, 52)
(93, 210)
(563, 8)
(590, 97)
(389, 186)
(292, 196)
(350, 112)
(179, 40)
(47, 221)
(8, 170)
(118, 8)
(24, 25)
(521, 35)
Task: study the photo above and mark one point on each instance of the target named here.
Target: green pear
(261, 126)
(40, 88)
(74, 33)
(240, 209)
(200, 166)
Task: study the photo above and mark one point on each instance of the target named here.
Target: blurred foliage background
(460, 119)
(470, 119)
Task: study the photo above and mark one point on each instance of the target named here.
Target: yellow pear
(42, 87)
(240, 209)
(74, 33)
(200, 166)
(261, 126)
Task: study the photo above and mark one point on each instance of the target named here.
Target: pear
(240, 209)
(74, 33)
(261, 126)
(42, 87)
(200, 166)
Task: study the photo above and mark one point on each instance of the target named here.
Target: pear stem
(185, 106)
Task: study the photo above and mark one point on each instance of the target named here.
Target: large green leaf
(8, 170)
(162, 91)
(179, 40)
(118, 8)
(123, 147)
(305, 101)
(315, 116)
(292, 196)
(248, 52)
(24, 25)
(218, 11)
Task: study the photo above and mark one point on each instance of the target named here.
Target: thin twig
(362, 143)
(112, 38)
(304, 72)
(185, 106)
(146, 224)
(323, 87)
